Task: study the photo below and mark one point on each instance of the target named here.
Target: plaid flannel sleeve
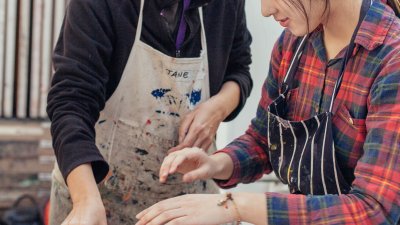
(375, 197)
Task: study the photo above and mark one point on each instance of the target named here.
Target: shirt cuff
(82, 154)
(287, 209)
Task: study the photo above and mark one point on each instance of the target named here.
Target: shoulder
(101, 7)
(388, 52)
(392, 39)
(86, 4)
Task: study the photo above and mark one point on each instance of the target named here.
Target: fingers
(190, 137)
(199, 135)
(187, 158)
(160, 216)
(144, 212)
(167, 207)
(201, 173)
(185, 125)
(178, 160)
(177, 148)
(165, 167)
(180, 220)
(204, 143)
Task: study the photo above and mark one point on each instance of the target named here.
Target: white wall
(265, 31)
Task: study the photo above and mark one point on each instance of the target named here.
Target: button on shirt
(366, 125)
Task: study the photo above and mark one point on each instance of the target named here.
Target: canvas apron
(302, 153)
(138, 126)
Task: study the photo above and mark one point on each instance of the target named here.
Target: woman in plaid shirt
(328, 125)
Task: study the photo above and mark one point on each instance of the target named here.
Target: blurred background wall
(28, 32)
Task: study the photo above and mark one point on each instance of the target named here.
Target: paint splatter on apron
(137, 127)
(302, 153)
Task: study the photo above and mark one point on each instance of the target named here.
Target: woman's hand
(204, 209)
(87, 212)
(194, 163)
(198, 128)
(188, 209)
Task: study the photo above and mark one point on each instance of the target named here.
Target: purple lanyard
(182, 26)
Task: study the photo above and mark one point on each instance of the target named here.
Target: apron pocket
(349, 135)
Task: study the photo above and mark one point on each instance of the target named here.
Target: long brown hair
(395, 4)
(298, 5)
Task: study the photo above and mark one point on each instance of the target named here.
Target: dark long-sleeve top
(93, 48)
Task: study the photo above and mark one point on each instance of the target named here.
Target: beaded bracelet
(224, 203)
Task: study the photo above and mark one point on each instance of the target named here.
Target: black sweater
(93, 48)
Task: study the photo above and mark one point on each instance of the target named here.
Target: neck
(340, 24)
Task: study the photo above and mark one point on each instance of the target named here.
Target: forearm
(78, 89)
(82, 185)
(228, 98)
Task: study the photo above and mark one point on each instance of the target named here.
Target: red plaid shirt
(366, 125)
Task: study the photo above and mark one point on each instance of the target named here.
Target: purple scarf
(182, 26)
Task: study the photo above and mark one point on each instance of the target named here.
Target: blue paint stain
(194, 97)
(159, 93)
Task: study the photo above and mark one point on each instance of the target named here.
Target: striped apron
(302, 153)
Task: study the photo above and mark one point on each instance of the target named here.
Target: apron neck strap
(289, 77)
(203, 32)
(349, 52)
(140, 22)
(140, 26)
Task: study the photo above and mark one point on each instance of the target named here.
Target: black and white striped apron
(302, 153)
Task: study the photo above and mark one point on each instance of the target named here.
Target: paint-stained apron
(137, 127)
(302, 153)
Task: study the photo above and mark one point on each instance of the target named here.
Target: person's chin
(297, 32)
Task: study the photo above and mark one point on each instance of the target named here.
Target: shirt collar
(371, 34)
(376, 24)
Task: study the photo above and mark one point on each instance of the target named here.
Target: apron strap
(140, 22)
(203, 33)
(364, 9)
(288, 80)
(287, 83)
(140, 26)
